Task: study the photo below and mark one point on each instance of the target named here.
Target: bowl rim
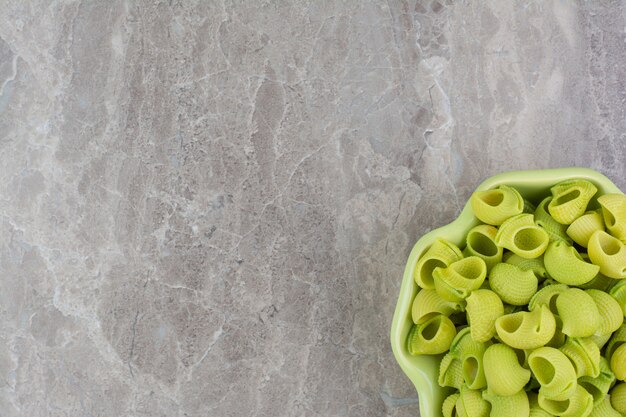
(429, 393)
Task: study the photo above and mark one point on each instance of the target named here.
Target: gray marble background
(206, 207)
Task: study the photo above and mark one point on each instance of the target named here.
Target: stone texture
(206, 207)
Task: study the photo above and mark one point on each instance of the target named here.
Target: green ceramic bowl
(423, 370)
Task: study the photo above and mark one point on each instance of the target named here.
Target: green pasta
(554, 371)
(520, 235)
(614, 213)
(618, 362)
(565, 264)
(481, 242)
(555, 230)
(604, 408)
(440, 254)
(483, 309)
(611, 315)
(600, 339)
(609, 253)
(458, 280)
(472, 404)
(583, 227)
(579, 404)
(450, 372)
(471, 353)
(449, 405)
(515, 405)
(547, 296)
(505, 376)
(432, 337)
(600, 282)
(428, 303)
(570, 199)
(513, 285)
(527, 330)
(495, 206)
(535, 408)
(534, 264)
(584, 355)
(599, 387)
(617, 339)
(618, 291)
(579, 313)
(618, 397)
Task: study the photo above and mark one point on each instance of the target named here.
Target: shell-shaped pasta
(583, 227)
(617, 339)
(600, 282)
(505, 376)
(604, 408)
(618, 362)
(618, 397)
(554, 371)
(428, 303)
(483, 308)
(472, 404)
(579, 313)
(565, 264)
(520, 235)
(578, 405)
(584, 355)
(529, 207)
(547, 296)
(559, 337)
(598, 387)
(480, 242)
(432, 337)
(527, 330)
(534, 264)
(457, 281)
(450, 372)
(614, 213)
(470, 352)
(618, 291)
(448, 408)
(543, 219)
(570, 199)
(513, 285)
(535, 408)
(440, 254)
(609, 253)
(496, 205)
(600, 339)
(515, 405)
(611, 315)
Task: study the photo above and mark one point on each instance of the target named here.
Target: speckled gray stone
(206, 207)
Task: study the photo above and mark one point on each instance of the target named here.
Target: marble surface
(206, 206)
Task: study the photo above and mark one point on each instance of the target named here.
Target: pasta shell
(604, 408)
(481, 242)
(599, 387)
(535, 408)
(614, 213)
(547, 296)
(617, 339)
(554, 372)
(583, 227)
(483, 308)
(565, 265)
(609, 253)
(543, 219)
(618, 362)
(618, 291)
(513, 285)
(584, 354)
(578, 405)
(450, 372)
(515, 405)
(457, 281)
(440, 254)
(611, 315)
(472, 404)
(600, 282)
(495, 206)
(505, 376)
(428, 303)
(618, 397)
(520, 235)
(527, 330)
(579, 313)
(600, 339)
(432, 337)
(570, 199)
(533, 264)
(449, 405)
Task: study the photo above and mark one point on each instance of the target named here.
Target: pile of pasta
(530, 313)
